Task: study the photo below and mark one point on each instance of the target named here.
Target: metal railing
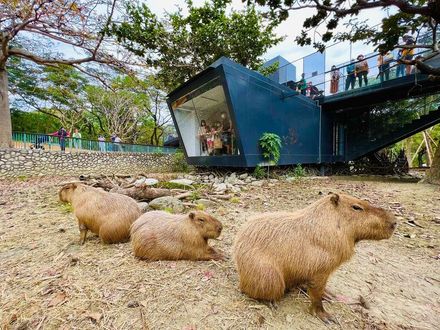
(23, 140)
(317, 69)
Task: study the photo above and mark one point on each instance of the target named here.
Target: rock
(211, 177)
(243, 176)
(144, 207)
(235, 189)
(273, 180)
(151, 182)
(139, 182)
(183, 182)
(257, 183)
(220, 187)
(206, 202)
(167, 203)
(248, 179)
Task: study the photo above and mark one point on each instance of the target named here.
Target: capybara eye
(357, 208)
(201, 220)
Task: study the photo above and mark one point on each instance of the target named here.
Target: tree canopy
(181, 45)
(31, 29)
(413, 16)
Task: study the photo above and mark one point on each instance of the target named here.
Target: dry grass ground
(48, 281)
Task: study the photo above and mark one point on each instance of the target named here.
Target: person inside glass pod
(226, 133)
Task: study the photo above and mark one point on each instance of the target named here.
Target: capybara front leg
(82, 234)
(212, 254)
(316, 291)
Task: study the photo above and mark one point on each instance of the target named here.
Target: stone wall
(24, 162)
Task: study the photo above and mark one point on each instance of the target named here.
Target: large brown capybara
(277, 251)
(107, 214)
(159, 235)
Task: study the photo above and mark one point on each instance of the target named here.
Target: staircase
(397, 134)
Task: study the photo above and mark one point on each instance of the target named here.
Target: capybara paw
(220, 257)
(326, 317)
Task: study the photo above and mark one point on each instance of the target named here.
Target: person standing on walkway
(400, 71)
(112, 139)
(362, 70)
(118, 142)
(334, 79)
(62, 134)
(77, 139)
(383, 63)
(302, 84)
(351, 76)
(101, 140)
(408, 53)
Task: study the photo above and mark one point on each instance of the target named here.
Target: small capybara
(107, 214)
(159, 235)
(277, 251)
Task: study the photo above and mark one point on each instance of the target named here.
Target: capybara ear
(192, 215)
(335, 199)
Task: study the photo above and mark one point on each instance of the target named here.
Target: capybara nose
(393, 225)
(219, 229)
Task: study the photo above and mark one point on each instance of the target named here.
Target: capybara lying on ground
(107, 214)
(158, 235)
(277, 251)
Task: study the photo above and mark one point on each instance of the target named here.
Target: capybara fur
(159, 235)
(277, 251)
(106, 214)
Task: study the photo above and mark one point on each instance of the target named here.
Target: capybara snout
(366, 220)
(66, 192)
(209, 226)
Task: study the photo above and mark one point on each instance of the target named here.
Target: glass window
(204, 121)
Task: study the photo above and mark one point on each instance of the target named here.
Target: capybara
(277, 251)
(107, 214)
(159, 235)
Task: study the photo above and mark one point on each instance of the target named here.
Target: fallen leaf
(207, 275)
(57, 299)
(132, 304)
(94, 316)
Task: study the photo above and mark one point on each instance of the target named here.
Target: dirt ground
(48, 281)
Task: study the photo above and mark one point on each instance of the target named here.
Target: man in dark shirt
(62, 134)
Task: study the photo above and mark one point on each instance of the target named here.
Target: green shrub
(235, 200)
(179, 163)
(200, 207)
(270, 144)
(195, 195)
(299, 171)
(259, 172)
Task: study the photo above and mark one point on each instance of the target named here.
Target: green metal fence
(53, 142)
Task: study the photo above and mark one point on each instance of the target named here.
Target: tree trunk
(5, 114)
(433, 176)
(142, 193)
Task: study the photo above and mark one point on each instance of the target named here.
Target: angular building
(286, 71)
(221, 113)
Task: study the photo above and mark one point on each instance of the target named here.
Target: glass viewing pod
(221, 113)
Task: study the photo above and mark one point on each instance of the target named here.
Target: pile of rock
(228, 183)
